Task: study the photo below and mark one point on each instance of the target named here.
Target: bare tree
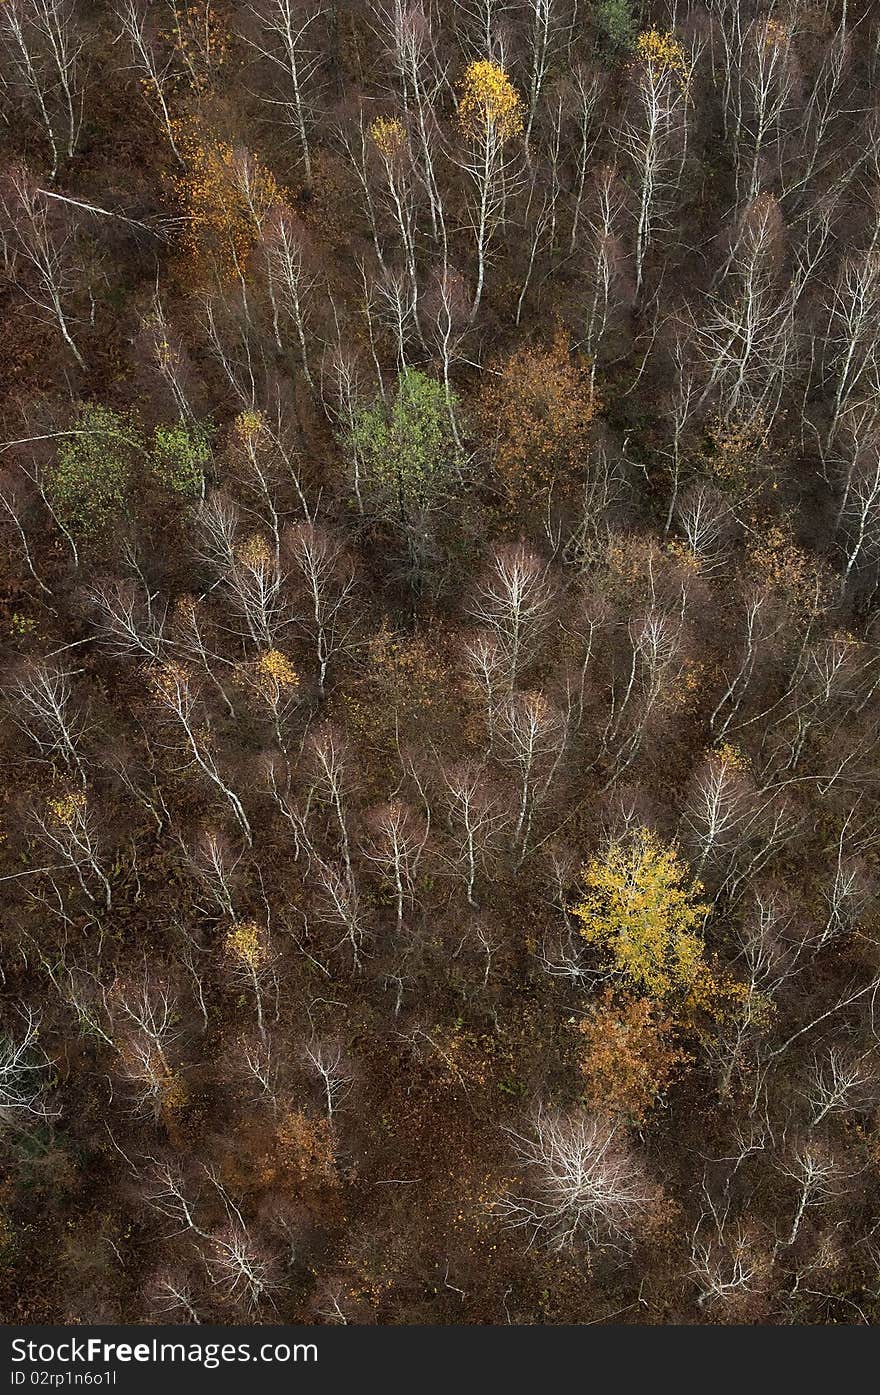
(327, 1060)
(157, 74)
(717, 809)
(860, 518)
(851, 891)
(727, 1261)
(761, 81)
(654, 644)
(333, 781)
(255, 584)
(238, 1266)
(16, 505)
(291, 285)
(145, 1025)
(745, 339)
(67, 827)
(242, 1270)
(474, 818)
(821, 128)
(131, 618)
(40, 252)
(481, 29)
(534, 735)
(446, 327)
(513, 602)
(44, 45)
(41, 703)
(339, 903)
(586, 1183)
(840, 1080)
(24, 1073)
(174, 690)
(853, 334)
(216, 865)
(292, 55)
(170, 1292)
(587, 88)
(406, 28)
(650, 136)
(328, 581)
(546, 30)
(705, 519)
(605, 282)
(817, 1178)
(394, 844)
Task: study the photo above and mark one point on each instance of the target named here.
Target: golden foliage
(65, 808)
(682, 553)
(731, 756)
(306, 1146)
(737, 454)
(200, 41)
(278, 668)
(490, 104)
(251, 428)
(406, 669)
(663, 53)
(174, 1093)
(776, 34)
(780, 566)
(628, 1057)
(641, 910)
(297, 1156)
(629, 557)
(254, 552)
(539, 406)
(388, 134)
(166, 355)
(167, 678)
(405, 680)
(250, 441)
(225, 197)
(685, 691)
(273, 675)
(246, 943)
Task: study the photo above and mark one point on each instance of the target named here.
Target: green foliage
(408, 451)
(89, 483)
(616, 25)
(179, 456)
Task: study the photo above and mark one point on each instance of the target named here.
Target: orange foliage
(798, 578)
(407, 670)
(737, 453)
(628, 1058)
(297, 1156)
(200, 40)
(226, 197)
(539, 408)
(306, 1146)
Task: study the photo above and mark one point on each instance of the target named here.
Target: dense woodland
(440, 574)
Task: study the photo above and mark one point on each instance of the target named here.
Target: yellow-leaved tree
(490, 118)
(642, 909)
(663, 52)
(227, 196)
(489, 100)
